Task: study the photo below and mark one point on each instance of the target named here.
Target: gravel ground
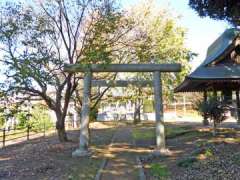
(214, 158)
(48, 159)
(225, 164)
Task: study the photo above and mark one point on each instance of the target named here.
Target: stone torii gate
(157, 69)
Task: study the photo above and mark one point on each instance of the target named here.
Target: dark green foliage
(187, 162)
(236, 158)
(93, 114)
(218, 9)
(213, 109)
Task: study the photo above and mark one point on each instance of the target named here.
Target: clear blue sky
(201, 32)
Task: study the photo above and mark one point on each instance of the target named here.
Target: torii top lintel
(73, 68)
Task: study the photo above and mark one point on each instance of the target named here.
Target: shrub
(213, 109)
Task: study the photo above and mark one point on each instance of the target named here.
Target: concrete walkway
(123, 164)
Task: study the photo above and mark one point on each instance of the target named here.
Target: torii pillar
(160, 130)
(157, 69)
(85, 118)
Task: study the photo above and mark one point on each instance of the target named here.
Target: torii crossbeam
(157, 69)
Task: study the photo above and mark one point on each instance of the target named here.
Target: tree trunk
(62, 135)
(60, 126)
(137, 113)
(205, 120)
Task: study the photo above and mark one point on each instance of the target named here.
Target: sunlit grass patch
(159, 170)
(149, 133)
(172, 132)
(193, 133)
(146, 134)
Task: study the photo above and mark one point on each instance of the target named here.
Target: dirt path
(122, 165)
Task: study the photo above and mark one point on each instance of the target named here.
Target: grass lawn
(145, 133)
(159, 171)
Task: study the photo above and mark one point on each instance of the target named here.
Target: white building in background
(119, 109)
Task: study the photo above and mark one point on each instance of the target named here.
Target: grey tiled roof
(207, 75)
(218, 47)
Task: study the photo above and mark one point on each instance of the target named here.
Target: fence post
(4, 137)
(28, 130)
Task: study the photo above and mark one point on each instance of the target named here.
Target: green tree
(220, 10)
(161, 40)
(158, 39)
(2, 118)
(38, 38)
(23, 119)
(40, 118)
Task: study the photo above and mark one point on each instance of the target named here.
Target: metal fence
(7, 135)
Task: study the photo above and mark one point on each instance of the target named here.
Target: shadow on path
(122, 165)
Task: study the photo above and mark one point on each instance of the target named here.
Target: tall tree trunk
(60, 126)
(137, 112)
(214, 128)
(205, 120)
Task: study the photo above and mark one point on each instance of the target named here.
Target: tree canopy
(218, 9)
(156, 37)
(159, 40)
(38, 38)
